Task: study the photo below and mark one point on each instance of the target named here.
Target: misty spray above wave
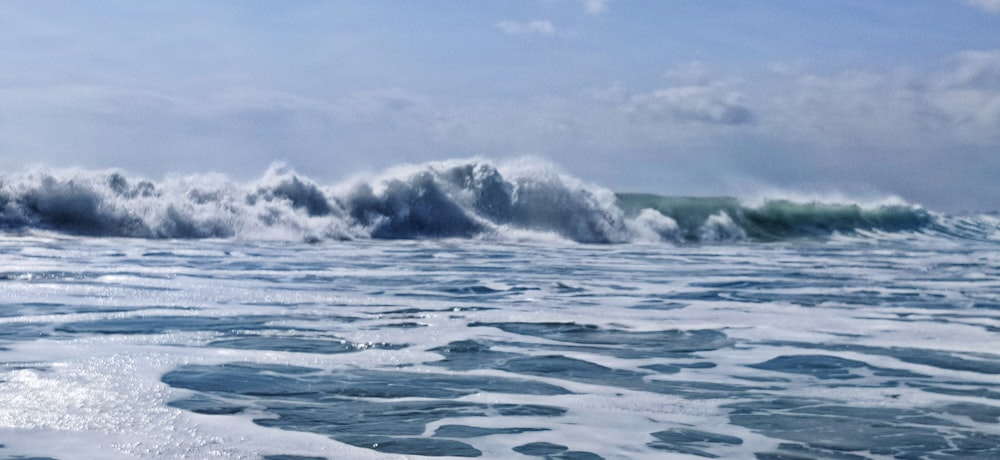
(451, 199)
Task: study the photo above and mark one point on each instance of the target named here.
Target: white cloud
(851, 111)
(895, 110)
(976, 69)
(378, 103)
(537, 27)
(992, 6)
(594, 6)
(969, 96)
(695, 97)
(691, 73)
(712, 104)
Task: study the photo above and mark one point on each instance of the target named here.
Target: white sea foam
(472, 198)
(91, 327)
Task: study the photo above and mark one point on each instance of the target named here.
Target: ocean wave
(724, 218)
(450, 199)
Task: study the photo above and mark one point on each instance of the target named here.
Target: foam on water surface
(104, 398)
(139, 348)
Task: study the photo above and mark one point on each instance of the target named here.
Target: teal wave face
(784, 219)
(776, 219)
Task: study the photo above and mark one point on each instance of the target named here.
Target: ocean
(474, 309)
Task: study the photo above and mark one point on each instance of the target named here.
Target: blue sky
(858, 98)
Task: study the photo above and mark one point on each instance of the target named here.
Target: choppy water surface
(838, 349)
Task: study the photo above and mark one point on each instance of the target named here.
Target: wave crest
(724, 218)
(451, 199)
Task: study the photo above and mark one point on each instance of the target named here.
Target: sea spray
(448, 199)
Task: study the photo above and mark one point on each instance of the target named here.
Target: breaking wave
(716, 218)
(452, 199)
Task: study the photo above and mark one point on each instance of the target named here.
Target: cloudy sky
(854, 97)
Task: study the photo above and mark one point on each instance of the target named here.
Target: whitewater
(471, 308)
